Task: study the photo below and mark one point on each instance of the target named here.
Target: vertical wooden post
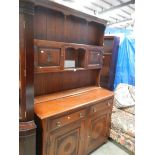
(27, 127)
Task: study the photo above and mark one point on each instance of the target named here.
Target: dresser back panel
(76, 30)
(54, 82)
(55, 26)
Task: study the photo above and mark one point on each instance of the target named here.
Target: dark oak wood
(48, 56)
(69, 11)
(27, 132)
(80, 35)
(26, 56)
(67, 140)
(59, 81)
(22, 81)
(27, 138)
(109, 62)
(60, 52)
(94, 57)
(52, 56)
(97, 133)
(68, 62)
(55, 24)
(99, 124)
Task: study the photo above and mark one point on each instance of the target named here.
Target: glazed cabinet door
(94, 58)
(68, 140)
(97, 131)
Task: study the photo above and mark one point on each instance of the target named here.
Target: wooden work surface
(54, 104)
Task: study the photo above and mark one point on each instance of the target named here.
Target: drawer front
(64, 120)
(102, 106)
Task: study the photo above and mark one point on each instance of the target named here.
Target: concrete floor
(110, 148)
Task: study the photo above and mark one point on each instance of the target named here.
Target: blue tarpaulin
(125, 67)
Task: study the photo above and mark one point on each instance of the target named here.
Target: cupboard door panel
(49, 57)
(97, 134)
(67, 140)
(94, 58)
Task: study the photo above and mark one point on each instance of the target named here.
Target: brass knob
(94, 109)
(58, 124)
(109, 104)
(68, 117)
(41, 51)
(88, 136)
(81, 115)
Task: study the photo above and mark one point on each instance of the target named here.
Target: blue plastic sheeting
(125, 68)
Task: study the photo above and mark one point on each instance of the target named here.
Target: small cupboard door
(97, 131)
(48, 56)
(68, 140)
(94, 58)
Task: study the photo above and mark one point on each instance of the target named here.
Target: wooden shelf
(50, 43)
(69, 11)
(67, 70)
(74, 69)
(61, 94)
(107, 54)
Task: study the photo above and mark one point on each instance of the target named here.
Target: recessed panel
(94, 57)
(48, 57)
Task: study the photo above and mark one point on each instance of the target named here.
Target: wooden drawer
(101, 106)
(67, 119)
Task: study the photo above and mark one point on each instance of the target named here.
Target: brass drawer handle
(58, 124)
(108, 104)
(69, 117)
(94, 109)
(81, 115)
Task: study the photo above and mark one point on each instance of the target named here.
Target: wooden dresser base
(74, 124)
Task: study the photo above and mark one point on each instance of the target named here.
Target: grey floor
(110, 148)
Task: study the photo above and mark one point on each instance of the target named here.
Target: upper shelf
(52, 56)
(50, 23)
(68, 11)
